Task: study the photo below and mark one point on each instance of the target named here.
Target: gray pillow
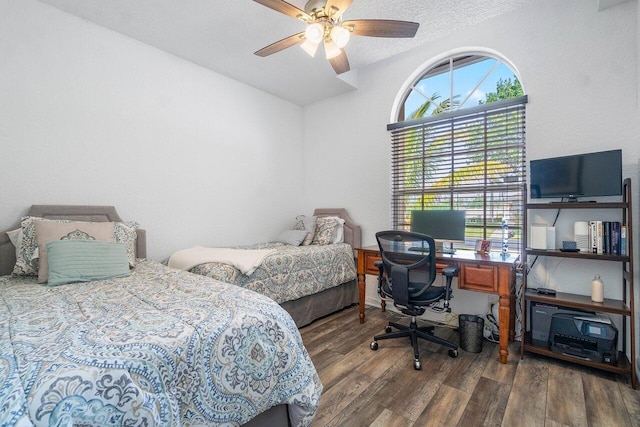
(307, 223)
(292, 237)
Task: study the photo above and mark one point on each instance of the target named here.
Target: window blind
(472, 159)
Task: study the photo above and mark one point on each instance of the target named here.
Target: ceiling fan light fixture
(324, 19)
(314, 33)
(331, 50)
(340, 36)
(309, 47)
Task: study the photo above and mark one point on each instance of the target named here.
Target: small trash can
(471, 329)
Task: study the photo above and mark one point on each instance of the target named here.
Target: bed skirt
(277, 416)
(307, 309)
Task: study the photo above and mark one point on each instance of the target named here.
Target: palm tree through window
(459, 143)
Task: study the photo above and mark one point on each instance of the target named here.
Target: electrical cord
(491, 326)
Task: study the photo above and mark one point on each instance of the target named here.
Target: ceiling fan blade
(382, 28)
(285, 8)
(340, 63)
(281, 45)
(340, 5)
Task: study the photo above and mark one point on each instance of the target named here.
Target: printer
(589, 337)
(540, 320)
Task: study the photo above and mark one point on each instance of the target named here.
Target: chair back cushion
(409, 262)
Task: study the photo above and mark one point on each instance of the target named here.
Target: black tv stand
(575, 200)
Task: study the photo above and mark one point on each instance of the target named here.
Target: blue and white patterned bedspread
(291, 272)
(161, 347)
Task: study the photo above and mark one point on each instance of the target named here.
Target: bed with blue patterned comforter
(161, 347)
(290, 272)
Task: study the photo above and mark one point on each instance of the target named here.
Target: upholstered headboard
(77, 213)
(352, 233)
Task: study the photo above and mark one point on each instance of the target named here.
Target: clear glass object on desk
(505, 236)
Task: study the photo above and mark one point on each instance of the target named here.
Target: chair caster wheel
(374, 345)
(417, 365)
(453, 353)
(387, 329)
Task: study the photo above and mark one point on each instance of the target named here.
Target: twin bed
(308, 281)
(158, 346)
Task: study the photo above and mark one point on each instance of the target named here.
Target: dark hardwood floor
(380, 388)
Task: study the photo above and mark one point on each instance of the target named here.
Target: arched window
(459, 143)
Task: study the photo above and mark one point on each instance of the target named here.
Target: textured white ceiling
(222, 36)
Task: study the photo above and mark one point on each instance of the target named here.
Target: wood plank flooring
(380, 388)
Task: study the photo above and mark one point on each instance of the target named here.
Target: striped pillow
(85, 260)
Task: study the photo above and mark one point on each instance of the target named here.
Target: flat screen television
(442, 225)
(577, 176)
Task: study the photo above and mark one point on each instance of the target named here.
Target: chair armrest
(450, 271)
(380, 266)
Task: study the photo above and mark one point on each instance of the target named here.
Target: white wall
(88, 116)
(580, 70)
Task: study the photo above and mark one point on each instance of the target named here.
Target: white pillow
(338, 237)
(15, 236)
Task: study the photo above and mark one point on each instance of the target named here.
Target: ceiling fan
(325, 26)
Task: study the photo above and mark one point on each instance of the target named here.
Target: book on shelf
(605, 237)
(595, 236)
(615, 237)
(623, 240)
(600, 239)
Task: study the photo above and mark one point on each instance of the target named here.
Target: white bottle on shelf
(597, 289)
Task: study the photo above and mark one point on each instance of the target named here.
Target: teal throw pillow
(73, 261)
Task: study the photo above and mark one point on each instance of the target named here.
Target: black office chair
(406, 273)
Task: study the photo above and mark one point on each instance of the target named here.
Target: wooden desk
(489, 273)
